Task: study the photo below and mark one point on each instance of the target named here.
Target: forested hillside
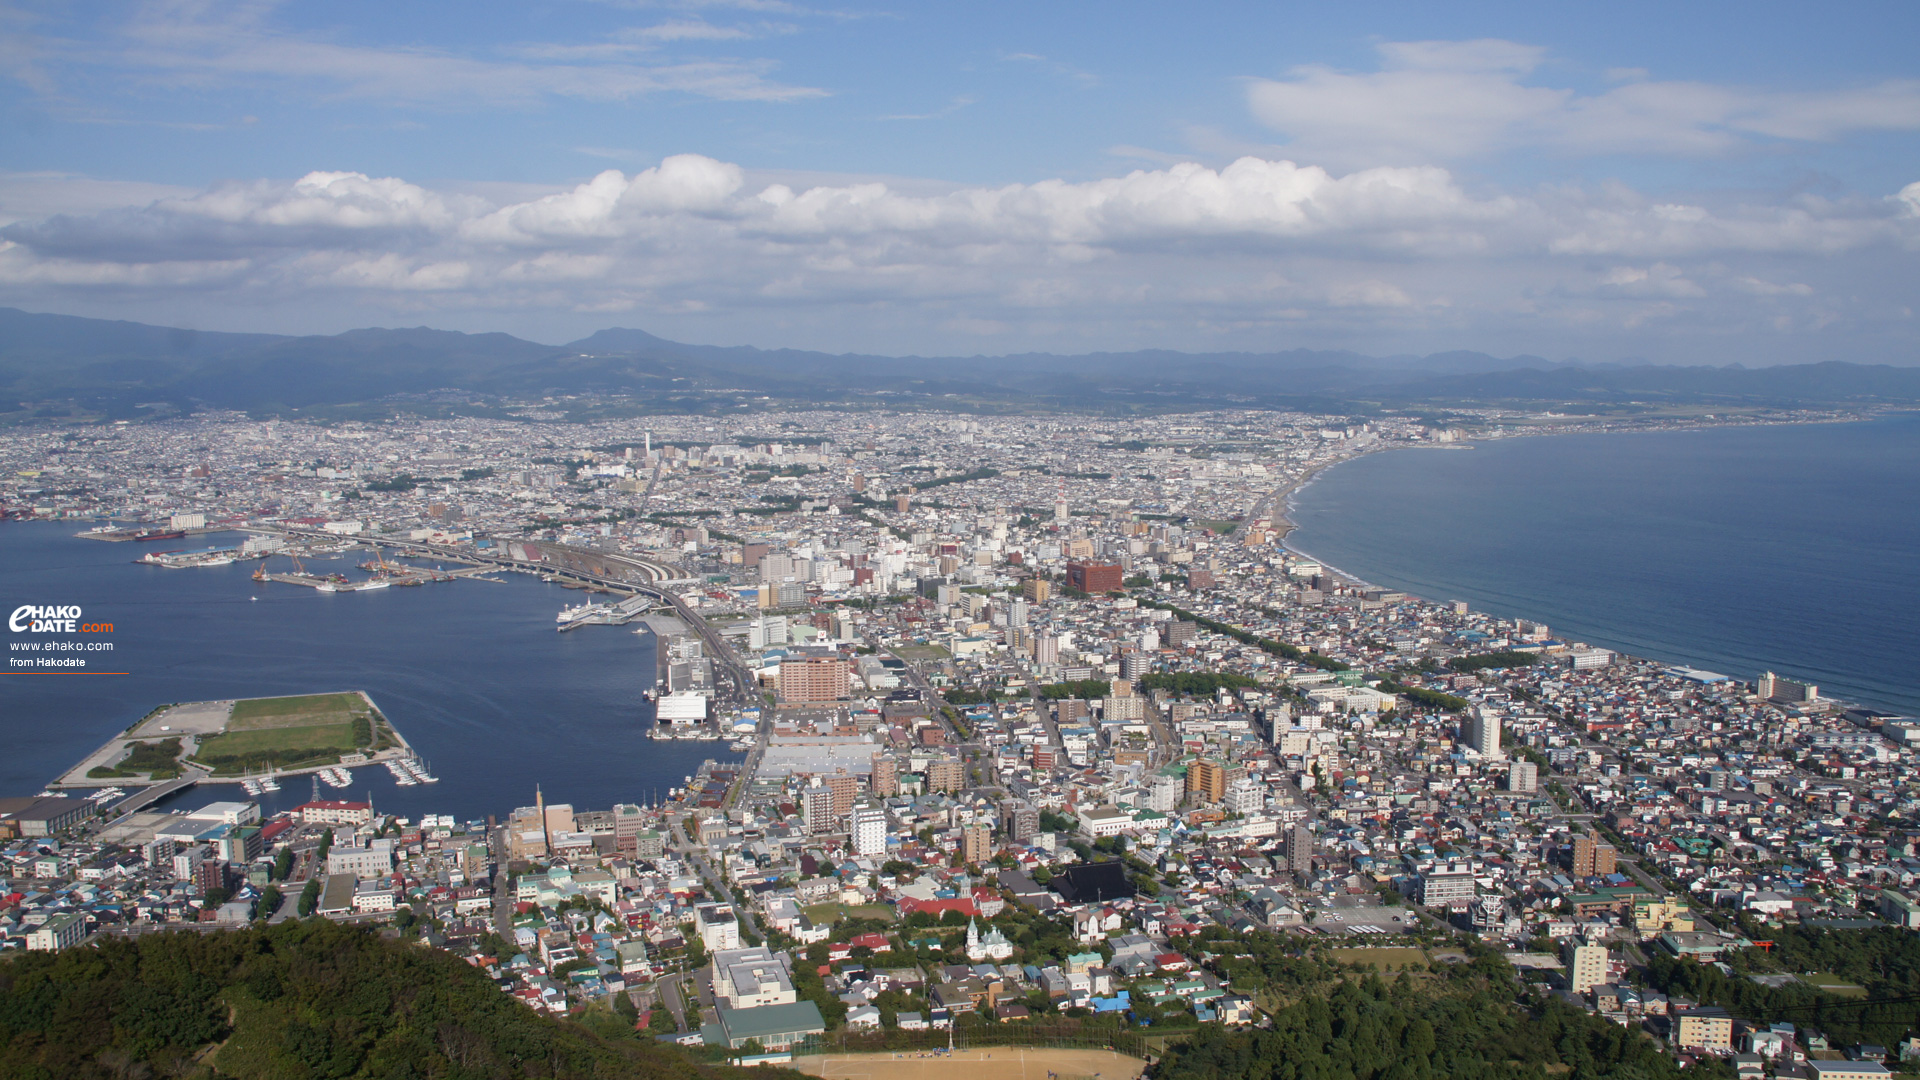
(1464, 1024)
(299, 1000)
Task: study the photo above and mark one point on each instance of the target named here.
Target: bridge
(153, 793)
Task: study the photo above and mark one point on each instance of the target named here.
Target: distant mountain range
(60, 365)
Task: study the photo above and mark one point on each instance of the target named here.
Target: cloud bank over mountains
(1257, 243)
(1374, 226)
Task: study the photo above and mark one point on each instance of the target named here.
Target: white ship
(369, 586)
(581, 615)
(606, 614)
(268, 783)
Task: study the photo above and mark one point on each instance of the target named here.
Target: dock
(614, 614)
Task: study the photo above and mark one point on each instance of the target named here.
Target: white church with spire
(994, 946)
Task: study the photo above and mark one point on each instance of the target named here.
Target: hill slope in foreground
(298, 1000)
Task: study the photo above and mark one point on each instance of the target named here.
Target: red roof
(908, 905)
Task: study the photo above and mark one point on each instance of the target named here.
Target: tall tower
(540, 807)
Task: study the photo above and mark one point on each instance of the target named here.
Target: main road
(716, 886)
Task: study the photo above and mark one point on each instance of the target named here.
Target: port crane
(260, 572)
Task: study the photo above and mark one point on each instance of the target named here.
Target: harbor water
(473, 673)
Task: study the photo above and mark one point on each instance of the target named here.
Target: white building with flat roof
(63, 930)
(869, 831)
(750, 978)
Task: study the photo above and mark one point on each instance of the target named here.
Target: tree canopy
(300, 999)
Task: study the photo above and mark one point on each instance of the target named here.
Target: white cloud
(215, 44)
(1909, 199)
(1188, 250)
(28, 196)
(1446, 101)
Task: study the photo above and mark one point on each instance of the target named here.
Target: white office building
(869, 831)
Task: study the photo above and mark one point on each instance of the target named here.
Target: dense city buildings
(994, 680)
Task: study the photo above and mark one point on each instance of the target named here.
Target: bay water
(1791, 548)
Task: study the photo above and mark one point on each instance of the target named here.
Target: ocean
(1792, 548)
(472, 673)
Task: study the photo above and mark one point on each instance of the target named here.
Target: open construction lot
(995, 1063)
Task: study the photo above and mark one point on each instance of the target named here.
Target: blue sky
(1707, 182)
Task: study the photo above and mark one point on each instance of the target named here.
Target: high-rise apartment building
(976, 844)
(1300, 850)
(1020, 819)
(1586, 966)
(816, 808)
(946, 776)
(844, 790)
(1046, 649)
(1483, 733)
(1523, 777)
(1774, 688)
(813, 678)
(886, 776)
(1207, 780)
(1593, 858)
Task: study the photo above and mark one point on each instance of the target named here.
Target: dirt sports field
(998, 1063)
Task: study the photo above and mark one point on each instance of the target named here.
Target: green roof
(766, 1021)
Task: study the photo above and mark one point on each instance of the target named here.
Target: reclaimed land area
(233, 739)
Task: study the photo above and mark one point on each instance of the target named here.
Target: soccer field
(997, 1063)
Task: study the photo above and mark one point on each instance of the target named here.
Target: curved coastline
(1307, 481)
(1851, 683)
